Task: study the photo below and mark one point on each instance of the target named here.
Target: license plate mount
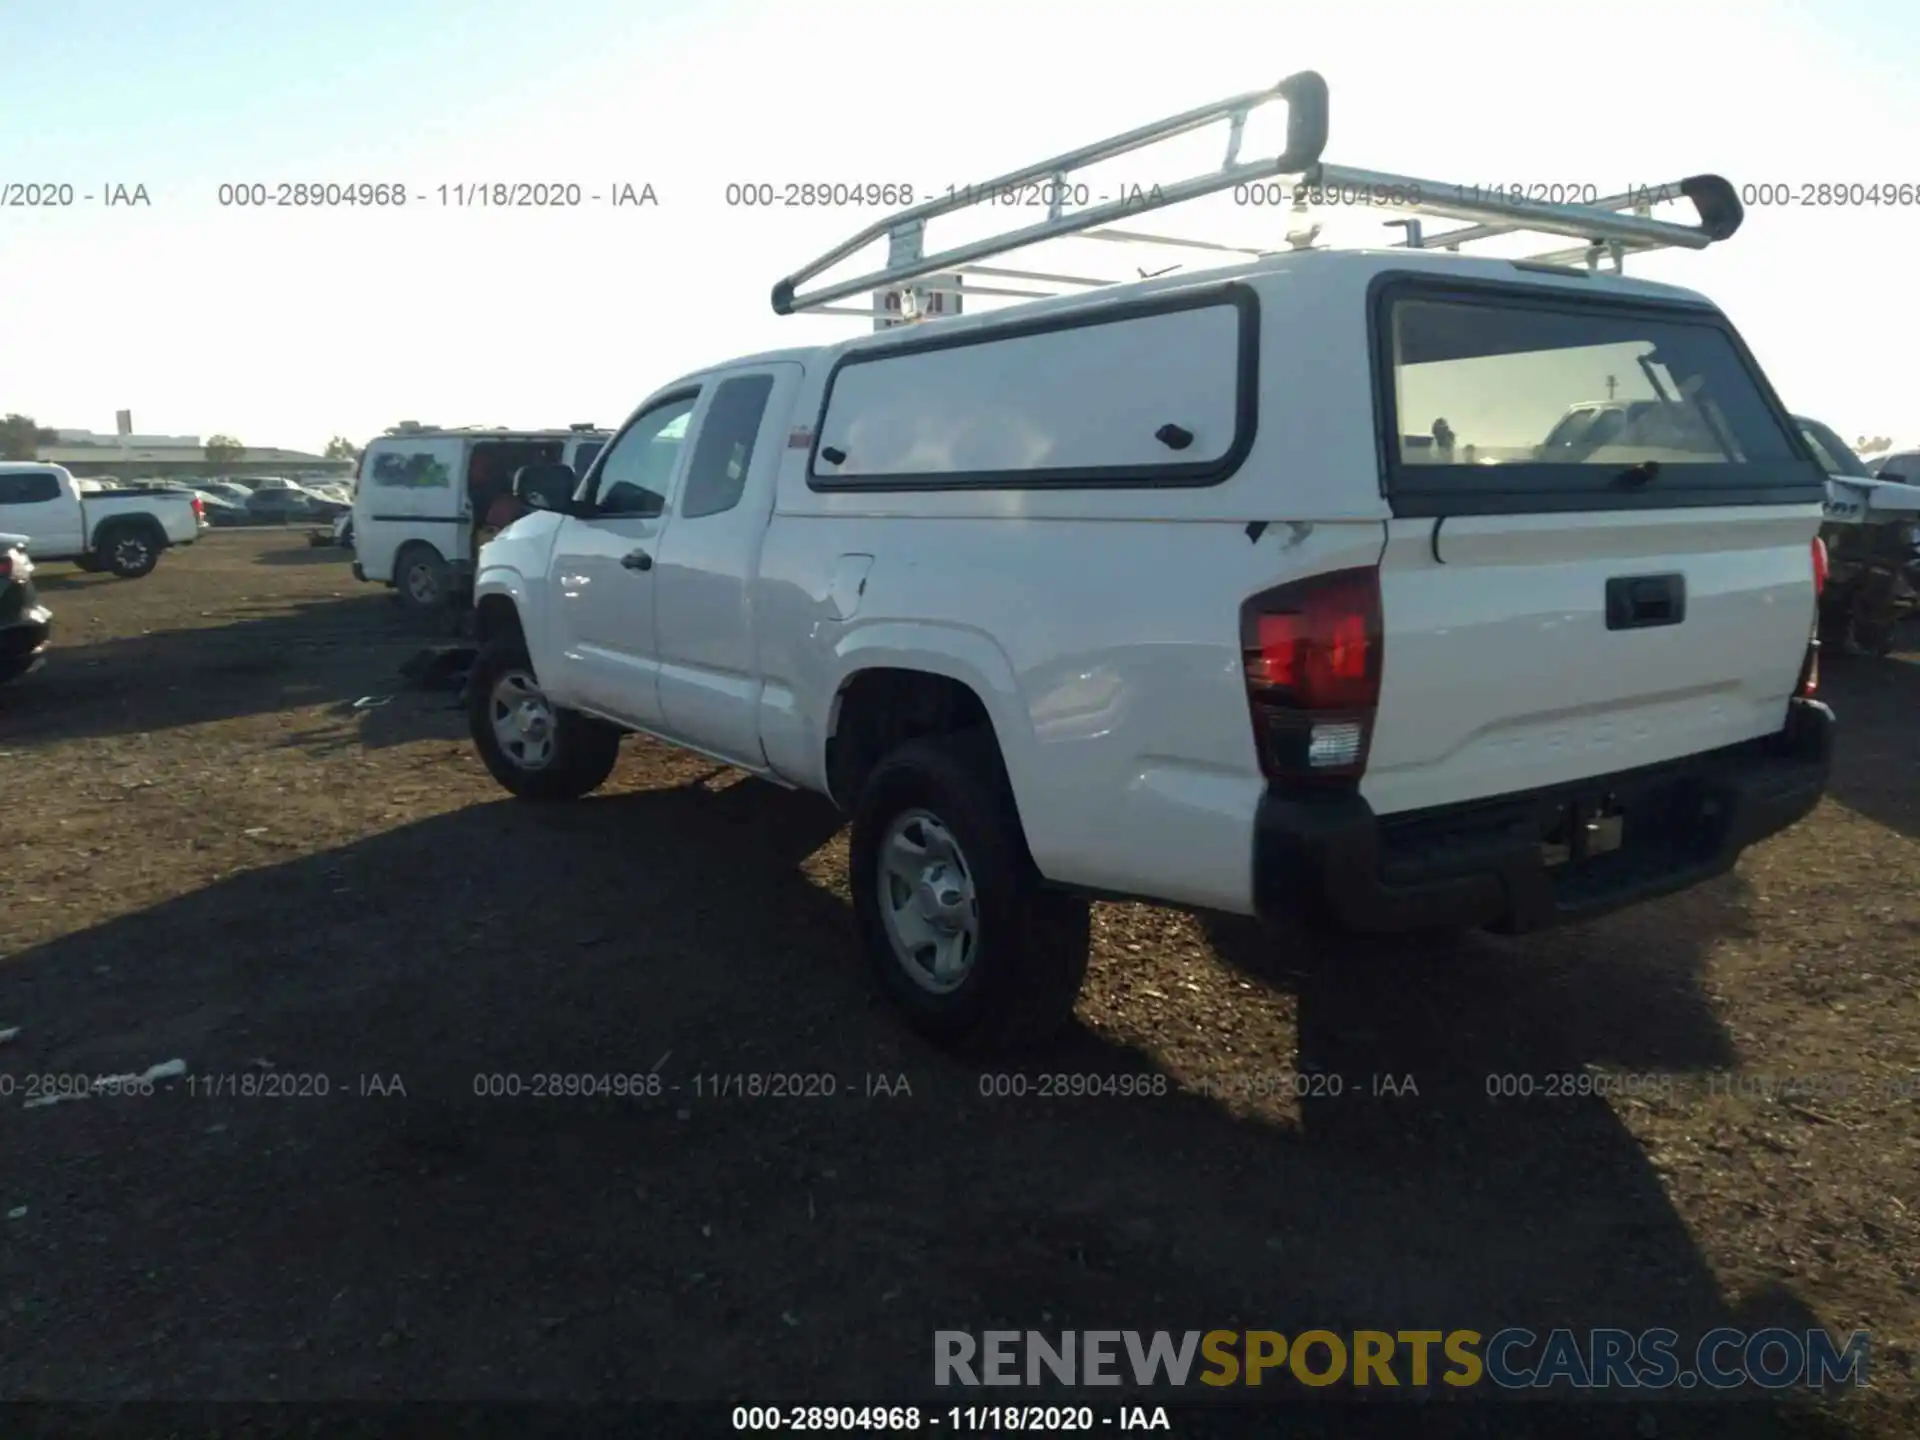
(1582, 827)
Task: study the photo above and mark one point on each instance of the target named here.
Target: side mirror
(546, 486)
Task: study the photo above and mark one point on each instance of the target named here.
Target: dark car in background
(281, 504)
(25, 624)
(219, 510)
(225, 490)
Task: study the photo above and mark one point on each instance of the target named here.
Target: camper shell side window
(1156, 392)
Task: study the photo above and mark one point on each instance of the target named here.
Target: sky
(288, 326)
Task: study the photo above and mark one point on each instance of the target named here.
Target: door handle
(637, 560)
(1639, 602)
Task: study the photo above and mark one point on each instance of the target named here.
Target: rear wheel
(960, 932)
(129, 551)
(534, 748)
(422, 579)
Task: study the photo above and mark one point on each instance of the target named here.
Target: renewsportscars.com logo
(1511, 1359)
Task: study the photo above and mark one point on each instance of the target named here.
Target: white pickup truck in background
(119, 530)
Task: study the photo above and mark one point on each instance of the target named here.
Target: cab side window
(636, 472)
(29, 487)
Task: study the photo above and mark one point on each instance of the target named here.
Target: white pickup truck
(119, 530)
(1180, 591)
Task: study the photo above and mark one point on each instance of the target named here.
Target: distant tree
(341, 448)
(21, 438)
(224, 450)
(1869, 445)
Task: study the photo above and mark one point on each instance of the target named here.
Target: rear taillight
(199, 508)
(1809, 683)
(6, 564)
(1313, 660)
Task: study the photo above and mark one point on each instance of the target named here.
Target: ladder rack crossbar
(1305, 95)
(1498, 214)
(996, 273)
(1134, 237)
(1640, 201)
(1614, 226)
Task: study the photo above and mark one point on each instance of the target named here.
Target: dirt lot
(206, 853)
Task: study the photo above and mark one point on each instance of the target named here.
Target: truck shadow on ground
(69, 580)
(460, 1241)
(1877, 744)
(268, 658)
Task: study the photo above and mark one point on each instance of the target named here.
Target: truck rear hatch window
(1498, 401)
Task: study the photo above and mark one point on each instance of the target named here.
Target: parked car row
(266, 501)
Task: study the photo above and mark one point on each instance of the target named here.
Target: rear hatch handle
(1640, 602)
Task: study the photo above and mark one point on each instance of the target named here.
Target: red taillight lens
(199, 508)
(6, 565)
(1313, 664)
(1809, 683)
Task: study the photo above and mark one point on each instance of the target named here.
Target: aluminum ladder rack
(1609, 228)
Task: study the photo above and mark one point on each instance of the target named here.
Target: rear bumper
(1331, 860)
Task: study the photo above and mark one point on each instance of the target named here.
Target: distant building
(132, 457)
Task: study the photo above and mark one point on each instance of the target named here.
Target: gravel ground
(209, 854)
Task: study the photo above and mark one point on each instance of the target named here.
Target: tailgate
(1600, 556)
(1505, 671)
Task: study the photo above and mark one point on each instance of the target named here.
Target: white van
(420, 493)
(1187, 590)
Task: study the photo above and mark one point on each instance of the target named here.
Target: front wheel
(959, 931)
(534, 748)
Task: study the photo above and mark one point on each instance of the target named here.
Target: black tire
(1029, 955)
(584, 750)
(422, 578)
(129, 551)
(87, 563)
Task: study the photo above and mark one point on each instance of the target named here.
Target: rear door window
(1506, 401)
(717, 473)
